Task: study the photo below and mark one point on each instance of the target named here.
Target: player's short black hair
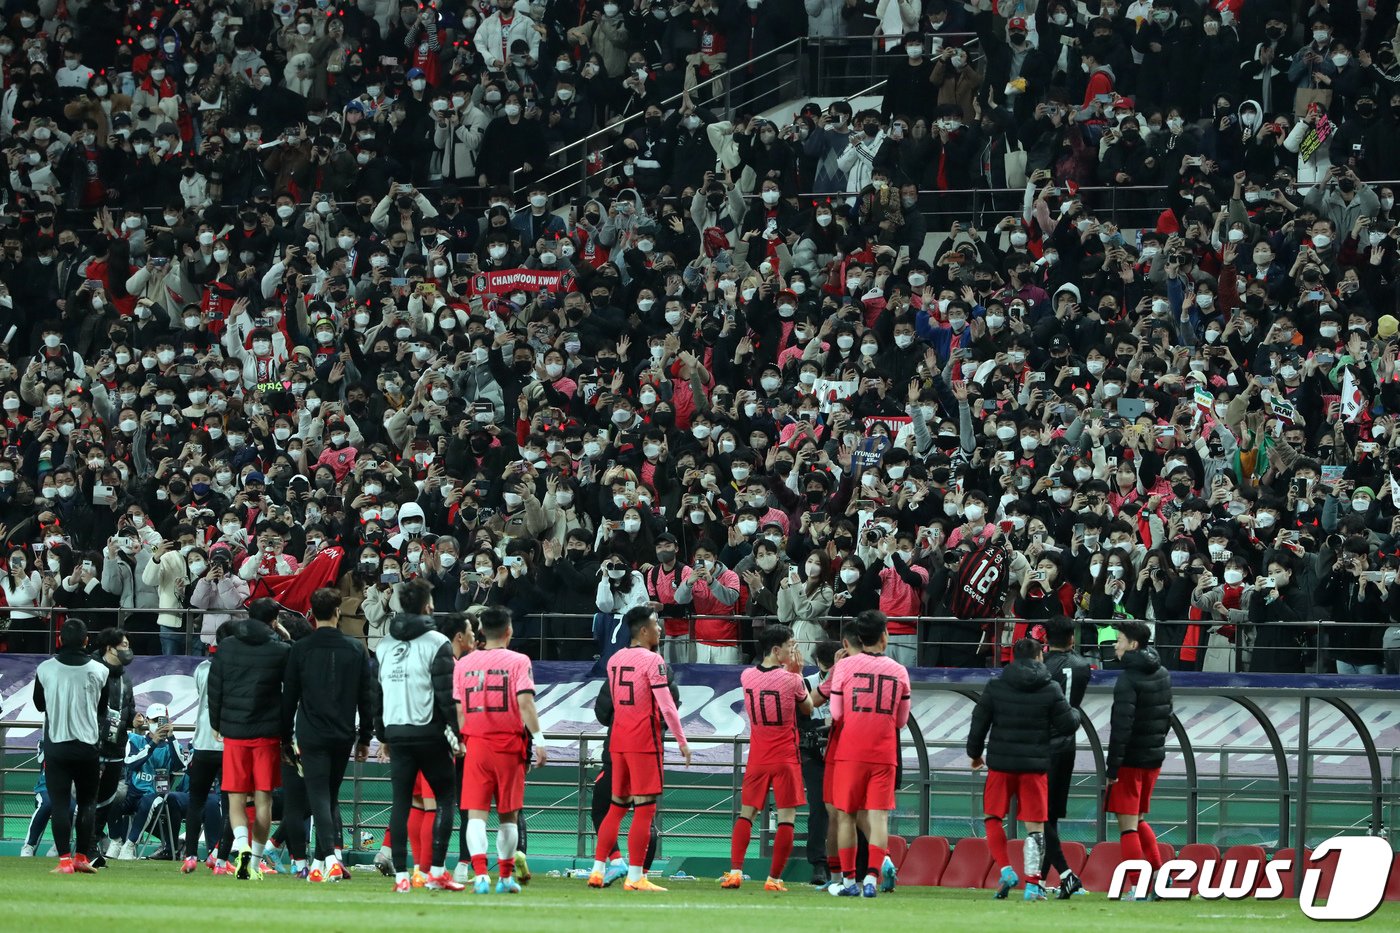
(295, 623)
(825, 652)
(324, 603)
(870, 627)
(108, 638)
(493, 621)
(414, 596)
(637, 617)
(850, 633)
(1135, 631)
(1059, 631)
(772, 636)
(264, 609)
(452, 624)
(1026, 649)
(73, 633)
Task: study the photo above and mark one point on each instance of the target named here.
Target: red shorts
(1132, 792)
(252, 765)
(636, 774)
(784, 779)
(863, 785)
(421, 788)
(1030, 790)
(490, 774)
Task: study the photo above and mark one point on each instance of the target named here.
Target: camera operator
(812, 734)
(113, 649)
(155, 762)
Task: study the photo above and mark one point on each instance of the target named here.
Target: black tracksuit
(1071, 672)
(327, 675)
(121, 712)
(245, 683)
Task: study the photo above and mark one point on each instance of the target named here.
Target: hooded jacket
(1142, 713)
(1024, 710)
(245, 683)
(415, 679)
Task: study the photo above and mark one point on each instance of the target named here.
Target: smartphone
(865, 505)
(1066, 40)
(88, 566)
(91, 284)
(513, 560)
(1035, 377)
(471, 577)
(794, 576)
(630, 487)
(335, 503)
(483, 408)
(399, 282)
(818, 517)
(160, 262)
(103, 495)
(463, 258)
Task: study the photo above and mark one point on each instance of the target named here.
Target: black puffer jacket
(1024, 709)
(1071, 672)
(245, 683)
(121, 711)
(1142, 713)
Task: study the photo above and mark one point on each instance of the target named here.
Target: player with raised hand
(495, 692)
(870, 699)
(774, 693)
(641, 702)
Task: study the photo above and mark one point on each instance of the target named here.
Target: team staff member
(245, 712)
(1024, 710)
(418, 721)
(327, 677)
(813, 733)
(114, 650)
(206, 766)
(1071, 671)
(70, 689)
(1137, 740)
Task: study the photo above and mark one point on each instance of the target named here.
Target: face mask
(1112, 390)
(1359, 504)
(974, 513)
(1322, 241)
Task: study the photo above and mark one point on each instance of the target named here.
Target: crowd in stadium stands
(280, 280)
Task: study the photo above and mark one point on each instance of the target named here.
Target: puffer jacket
(1024, 710)
(1071, 671)
(245, 683)
(1142, 713)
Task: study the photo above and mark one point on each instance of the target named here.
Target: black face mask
(1347, 184)
(844, 541)
(592, 217)
(716, 201)
(365, 209)
(872, 129)
(521, 367)
(782, 467)
(815, 496)
(1181, 490)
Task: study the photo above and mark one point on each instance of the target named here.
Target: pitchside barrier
(1268, 760)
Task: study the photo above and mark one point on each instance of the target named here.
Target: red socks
(739, 843)
(1131, 845)
(875, 860)
(639, 836)
(996, 841)
(422, 855)
(506, 867)
(782, 849)
(833, 865)
(848, 862)
(1148, 840)
(479, 864)
(607, 832)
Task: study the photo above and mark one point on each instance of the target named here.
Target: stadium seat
(1247, 854)
(1016, 852)
(1198, 852)
(924, 863)
(1392, 887)
(1328, 866)
(968, 865)
(898, 849)
(1075, 854)
(1098, 867)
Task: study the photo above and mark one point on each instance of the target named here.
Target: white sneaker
(114, 849)
(26, 851)
(462, 874)
(128, 852)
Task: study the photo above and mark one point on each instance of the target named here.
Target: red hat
(1016, 22)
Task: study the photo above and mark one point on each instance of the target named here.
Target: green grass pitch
(139, 894)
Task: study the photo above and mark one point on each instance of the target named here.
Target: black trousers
(108, 783)
(206, 766)
(323, 771)
(813, 768)
(434, 759)
(73, 771)
(1060, 776)
(296, 811)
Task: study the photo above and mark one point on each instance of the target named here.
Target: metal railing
(940, 641)
(1207, 791)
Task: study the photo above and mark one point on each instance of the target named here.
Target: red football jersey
(870, 699)
(640, 699)
(771, 695)
(487, 684)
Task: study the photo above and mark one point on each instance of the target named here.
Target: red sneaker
(403, 886)
(444, 882)
(65, 866)
(82, 866)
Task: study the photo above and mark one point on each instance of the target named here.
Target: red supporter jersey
(635, 674)
(487, 684)
(870, 699)
(771, 695)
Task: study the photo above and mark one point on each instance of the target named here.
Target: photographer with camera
(220, 592)
(155, 764)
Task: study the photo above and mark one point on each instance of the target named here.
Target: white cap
(157, 711)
